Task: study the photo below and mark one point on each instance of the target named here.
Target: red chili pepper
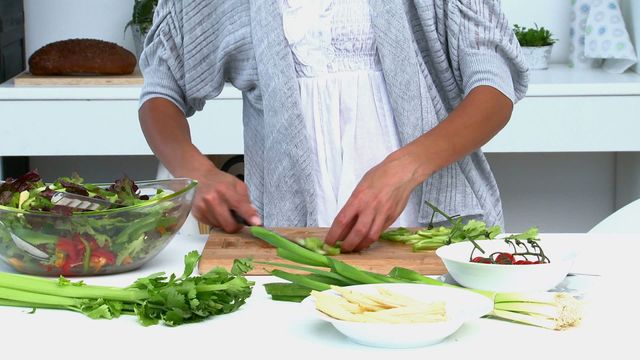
(504, 258)
(67, 246)
(70, 253)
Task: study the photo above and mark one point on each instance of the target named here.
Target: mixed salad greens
(80, 242)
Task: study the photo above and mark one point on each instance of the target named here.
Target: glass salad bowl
(96, 242)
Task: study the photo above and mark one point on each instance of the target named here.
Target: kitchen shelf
(558, 80)
(553, 117)
(9, 91)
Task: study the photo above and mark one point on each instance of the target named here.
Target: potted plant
(536, 45)
(141, 21)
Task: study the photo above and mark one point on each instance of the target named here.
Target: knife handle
(239, 219)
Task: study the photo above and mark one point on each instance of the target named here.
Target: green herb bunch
(143, 14)
(533, 37)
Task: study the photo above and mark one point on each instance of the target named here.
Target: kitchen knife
(239, 219)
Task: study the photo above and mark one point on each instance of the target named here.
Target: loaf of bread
(82, 57)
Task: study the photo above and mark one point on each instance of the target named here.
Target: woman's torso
(346, 108)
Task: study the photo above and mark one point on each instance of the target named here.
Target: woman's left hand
(384, 191)
(374, 205)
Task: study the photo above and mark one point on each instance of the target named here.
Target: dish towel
(599, 37)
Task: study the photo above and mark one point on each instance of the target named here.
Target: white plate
(461, 306)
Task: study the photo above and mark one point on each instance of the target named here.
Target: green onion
(315, 271)
(301, 280)
(287, 289)
(549, 310)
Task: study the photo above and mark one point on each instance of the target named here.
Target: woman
(355, 112)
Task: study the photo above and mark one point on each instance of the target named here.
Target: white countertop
(279, 330)
(562, 112)
(558, 80)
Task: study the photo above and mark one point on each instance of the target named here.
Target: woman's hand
(217, 194)
(374, 205)
(384, 191)
(167, 132)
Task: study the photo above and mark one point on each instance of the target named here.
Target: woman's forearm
(478, 118)
(167, 132)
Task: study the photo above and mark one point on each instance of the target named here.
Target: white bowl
(461, 306)
(507, 278)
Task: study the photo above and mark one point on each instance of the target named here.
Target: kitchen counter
(274, 330)
(554, 117)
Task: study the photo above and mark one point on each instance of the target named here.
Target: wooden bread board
(27, 79)
(221, 249)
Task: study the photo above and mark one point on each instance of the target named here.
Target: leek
(550, 310)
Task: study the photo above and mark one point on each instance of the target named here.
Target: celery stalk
(156, 298)
(50, 287)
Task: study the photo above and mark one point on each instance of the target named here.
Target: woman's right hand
(216, 195)
(167, 132)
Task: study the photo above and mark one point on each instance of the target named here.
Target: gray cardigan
(433, 53)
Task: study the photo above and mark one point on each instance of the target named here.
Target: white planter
(537, 58)
(138, 40)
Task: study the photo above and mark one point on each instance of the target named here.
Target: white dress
(345, 103)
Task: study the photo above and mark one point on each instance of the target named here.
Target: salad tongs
(81, 202)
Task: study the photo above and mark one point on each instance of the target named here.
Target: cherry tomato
(482, 260)
(505, 259)
(524, 262)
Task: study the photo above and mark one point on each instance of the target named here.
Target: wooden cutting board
(221, 249)
(27, 79)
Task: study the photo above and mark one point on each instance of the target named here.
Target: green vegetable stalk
(317, 245)
(153, 299)
(549, 310)
(431, 238)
